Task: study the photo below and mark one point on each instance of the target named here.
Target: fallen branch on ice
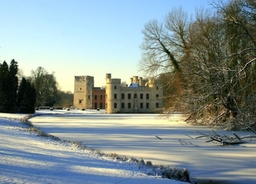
(225, 139)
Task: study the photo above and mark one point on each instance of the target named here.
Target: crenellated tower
(83, 92)
(113, 95)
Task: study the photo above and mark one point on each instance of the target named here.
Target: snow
(28, 158)
(133, 135)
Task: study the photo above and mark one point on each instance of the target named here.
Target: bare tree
(221, 67)
(45, 85)
(211, 59)
(239, 16)
(204, 66)
(164, 44)
(163, 49)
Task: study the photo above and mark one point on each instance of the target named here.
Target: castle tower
(135, 79)
(83, 92)
(151, 83)
(113, 94)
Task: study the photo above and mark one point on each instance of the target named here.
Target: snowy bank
(28, 158)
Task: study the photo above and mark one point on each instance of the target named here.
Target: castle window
(135, 105)
(141, 105)
(156, 87)
(80, 101)
(115, 87)
(147, 105)
(89, 97)
(115, 105)
(147, 96)
(80, 88)
(157, 105)
(122, 95)
(115, 96)
(122, 105)
(129, 95)
(129, 105)
(157, 95)
(141, 96)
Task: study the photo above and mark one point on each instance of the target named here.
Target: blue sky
(80, 37)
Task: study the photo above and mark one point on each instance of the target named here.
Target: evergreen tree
(8, 86)
(5, 89)
(26, 97)
(12, 98)
(21, 92)
(12, 85)
(1, 86)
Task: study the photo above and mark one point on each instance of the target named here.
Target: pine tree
(1, 86)
(31, 96)
(4, 88)
(21, 92)
(13, 85)
(26, 97)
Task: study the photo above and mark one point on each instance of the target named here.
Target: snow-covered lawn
(137, 135)
(27, 158)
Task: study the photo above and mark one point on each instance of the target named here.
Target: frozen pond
(154, 138)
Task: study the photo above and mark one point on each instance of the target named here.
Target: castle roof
(134, 85)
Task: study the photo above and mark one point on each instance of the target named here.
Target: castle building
(98, 100)
(86, 96)
(140, 96)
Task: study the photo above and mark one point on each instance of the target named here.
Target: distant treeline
(19, 94)
(15, 96)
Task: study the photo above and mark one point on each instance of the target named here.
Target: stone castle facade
(140, 96)
(86, 96)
